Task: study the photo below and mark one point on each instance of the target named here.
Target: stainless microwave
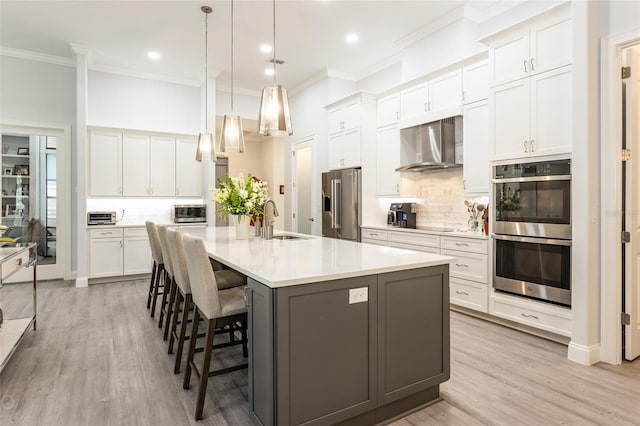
(101, 218)
(189, 213)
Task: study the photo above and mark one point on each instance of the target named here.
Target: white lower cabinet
(545, 316)
(117, 252)
(137, 252)
(105, 253)
(469, 294)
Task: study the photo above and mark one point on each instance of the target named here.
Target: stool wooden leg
(165, 293)
(172, 299)
(192, 348)
(153, 279)
(156, 287)
(204, 372)
(183, 332)
(174, 319)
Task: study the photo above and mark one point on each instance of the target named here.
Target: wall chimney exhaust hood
(431, 146)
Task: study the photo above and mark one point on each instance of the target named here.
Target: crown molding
(145, 75)
(35, 56)
(319, 76)
(437, 24)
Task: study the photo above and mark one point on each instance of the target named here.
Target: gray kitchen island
(340, 332)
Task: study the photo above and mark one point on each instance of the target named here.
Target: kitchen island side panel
(327, 350)
(413, 332)
(261, 353)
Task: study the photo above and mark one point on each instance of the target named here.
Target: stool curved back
(154, 241)
(204, 288)
(179, 259)
(164, 246)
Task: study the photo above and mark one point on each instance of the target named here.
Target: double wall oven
(532, 230)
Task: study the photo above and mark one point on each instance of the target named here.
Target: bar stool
(217, 307)
(170, 285)
(157, 273)
(183, 302)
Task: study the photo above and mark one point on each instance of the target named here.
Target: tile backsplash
(442, 195)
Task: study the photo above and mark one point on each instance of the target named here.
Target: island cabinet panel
(412, 332)
(326, 346)
(350, 351)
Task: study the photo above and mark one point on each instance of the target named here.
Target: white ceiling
(310, 34)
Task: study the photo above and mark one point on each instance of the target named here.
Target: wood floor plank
(97, 358)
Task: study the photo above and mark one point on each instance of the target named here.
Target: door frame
(308, 141)
(63, 194)
(611, 178)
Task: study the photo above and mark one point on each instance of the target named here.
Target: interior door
(632, 206)
(302, 178)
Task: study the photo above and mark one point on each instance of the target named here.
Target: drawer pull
(374, 234)
(462, 265)
(529, 316)
(19, 261)
(462, 292)
(462, 244)
(105, 233)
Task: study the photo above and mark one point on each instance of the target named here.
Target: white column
(585, 275)
(82, 55)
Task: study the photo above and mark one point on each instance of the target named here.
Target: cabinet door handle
(462, 244)
(464, 184)
(526, 150)
(464, 95)
(425, 107)
(531, 146)
(532, 64)
(120, 244)
(525, 66)
(462, 292)
(462, 265)
(529, 316)
(397, 115)
(429, 105)
(120, 190)
(397, 187)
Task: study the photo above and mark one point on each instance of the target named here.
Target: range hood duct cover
(431, 146)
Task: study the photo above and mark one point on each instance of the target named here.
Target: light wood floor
(98, 359)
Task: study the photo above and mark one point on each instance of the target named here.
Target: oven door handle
(531, 179)
(531, 240)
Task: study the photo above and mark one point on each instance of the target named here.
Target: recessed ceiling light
(153, 55)
(269, 71)
(352, 38)
(266, 48)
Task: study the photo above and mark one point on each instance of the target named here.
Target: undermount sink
(287, 237)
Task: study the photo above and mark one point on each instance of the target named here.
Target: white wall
(136, 103)
(245, 106)
(619, 16)
(381, 80)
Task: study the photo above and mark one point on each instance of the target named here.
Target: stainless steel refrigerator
(342, 204)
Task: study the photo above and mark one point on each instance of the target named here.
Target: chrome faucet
(267, 230)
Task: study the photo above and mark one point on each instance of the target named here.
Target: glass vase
(474, 224)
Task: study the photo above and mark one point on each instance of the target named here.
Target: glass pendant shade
(274, 118)
(231, 137)
(206, 149)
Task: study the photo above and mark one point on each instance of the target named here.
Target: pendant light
(206, 147)
(231, 137)
(274, 118)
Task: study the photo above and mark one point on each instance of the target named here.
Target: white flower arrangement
(240, 196)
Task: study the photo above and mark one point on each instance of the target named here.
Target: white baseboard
(82, 282)
(585, 355)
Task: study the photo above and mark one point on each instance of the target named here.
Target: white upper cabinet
(533, 116)
(542, 46)
(148, 166)
(475, 82)
(476, 169)
(445, 91)
(414, 101)
(344, 117)
(388, 111)
(105, 163)
(388, 160)
(188, 170)
(162, 166)
(351, 123)
(135, 165)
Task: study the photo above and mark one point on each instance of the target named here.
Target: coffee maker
(402, 215)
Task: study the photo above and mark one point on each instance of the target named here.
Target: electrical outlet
(358, 295)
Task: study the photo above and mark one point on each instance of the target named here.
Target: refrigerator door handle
(337, 202)
(332, 204)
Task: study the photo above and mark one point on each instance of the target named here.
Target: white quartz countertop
(451, 233)
(279, 263)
